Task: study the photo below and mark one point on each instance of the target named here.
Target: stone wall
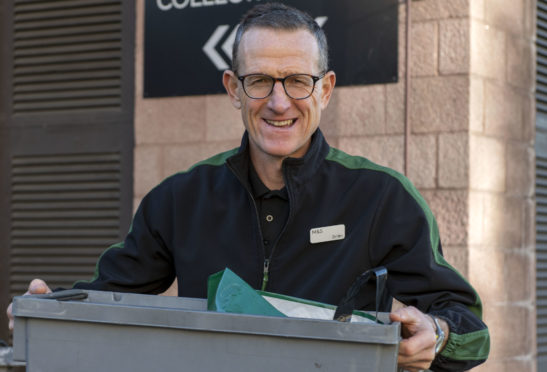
(501, 177)
(471, 151)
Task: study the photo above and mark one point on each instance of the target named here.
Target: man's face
(278, 125)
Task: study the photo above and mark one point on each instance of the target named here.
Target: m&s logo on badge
(327, 233)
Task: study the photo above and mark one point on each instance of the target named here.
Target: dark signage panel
(188, 43)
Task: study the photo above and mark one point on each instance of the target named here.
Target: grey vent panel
(67, 55)
(541, 184)
(541, 254)
(64, 213)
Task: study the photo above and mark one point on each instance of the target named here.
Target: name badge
(327, 234)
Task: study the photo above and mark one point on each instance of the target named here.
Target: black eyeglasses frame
(282, 80)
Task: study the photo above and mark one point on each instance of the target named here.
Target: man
(252, 209)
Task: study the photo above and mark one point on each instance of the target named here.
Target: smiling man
(253, 209)
(281, 91)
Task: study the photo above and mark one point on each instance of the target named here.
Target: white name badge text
(327, 233)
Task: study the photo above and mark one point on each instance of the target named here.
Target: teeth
(282, 123)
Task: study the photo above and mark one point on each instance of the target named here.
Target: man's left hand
(417, 349)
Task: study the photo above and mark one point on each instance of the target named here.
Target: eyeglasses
(297, 86)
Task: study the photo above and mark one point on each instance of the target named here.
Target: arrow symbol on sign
(229, 43)
(209, 47)
(321, 21)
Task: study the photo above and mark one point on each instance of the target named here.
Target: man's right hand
(37, 286)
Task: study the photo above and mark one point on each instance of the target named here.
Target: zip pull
(266, 274)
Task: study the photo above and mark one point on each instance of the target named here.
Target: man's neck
(268, 170)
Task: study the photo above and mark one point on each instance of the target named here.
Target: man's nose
(279, 101)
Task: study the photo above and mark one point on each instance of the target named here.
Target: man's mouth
(280, 123)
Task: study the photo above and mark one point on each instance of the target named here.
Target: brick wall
(471, 151)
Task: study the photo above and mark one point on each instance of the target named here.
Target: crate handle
(347, 304)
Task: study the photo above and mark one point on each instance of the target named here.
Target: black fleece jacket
(198, 222)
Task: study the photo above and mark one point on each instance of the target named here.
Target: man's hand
(417, 349)
(37, 286)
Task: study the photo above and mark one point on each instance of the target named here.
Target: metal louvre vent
(67, 55)
(64, 213)
(541, 184)
(541, 254)
(541, 47)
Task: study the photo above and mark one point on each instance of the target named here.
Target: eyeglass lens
(296, 86)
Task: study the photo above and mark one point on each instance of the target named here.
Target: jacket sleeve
(142, 263)
(405, 239)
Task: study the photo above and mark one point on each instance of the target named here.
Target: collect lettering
(181, 4)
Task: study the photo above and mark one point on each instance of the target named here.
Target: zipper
(266, 276)
(266, 270)
(267, 260)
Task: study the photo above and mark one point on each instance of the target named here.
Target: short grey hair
(279, 16)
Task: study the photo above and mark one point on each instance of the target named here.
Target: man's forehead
(269, 42)
(263, 31)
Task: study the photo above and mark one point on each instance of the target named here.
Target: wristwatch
(439, 334)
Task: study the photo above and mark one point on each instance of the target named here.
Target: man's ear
(327, 87)
(230, 82)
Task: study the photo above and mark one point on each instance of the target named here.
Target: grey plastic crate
(128, 332)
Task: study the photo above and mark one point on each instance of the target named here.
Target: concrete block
(530, 18)
(439, 104)
(423, 160)
(395, 108)
(503, 114)
(476, 214)
(529, 121)
(457, 257)
(170, 120)
(384, 150)
(476, 105)
(331, 139)
(530, 225)
(504, 221)
(454, 160)
(497, 221)
(450, 210)
(424, 49)
(148, 169)
(510, 276)
(487, 51)
(361, 110)
(454, 46)
(477, 9)
(329, 116)
(510, 330)
(439, 9)
(520, 63)
(180, 158)
(520, 169)
(487, 163)
(506, 15)
(222, 120)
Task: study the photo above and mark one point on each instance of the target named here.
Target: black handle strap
(64, 295)
(347, 304)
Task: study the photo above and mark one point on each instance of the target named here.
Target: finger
(420, 341)
(10, 317)
(406, 314)
(38, 286)
(413, 354)
(421, 361)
